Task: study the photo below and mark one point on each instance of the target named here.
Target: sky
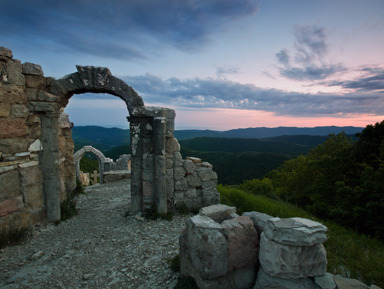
(221, 64)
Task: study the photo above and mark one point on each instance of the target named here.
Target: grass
(68, 207)
(349, 254)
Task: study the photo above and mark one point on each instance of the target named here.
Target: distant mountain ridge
(266, 132)
(109, 138)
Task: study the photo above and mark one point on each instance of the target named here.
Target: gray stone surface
(264, 281)
(295, 231)
(259, 220)
(218, 212)
(346, 283)
(32, 69)
(325, 281)
(291, 262)
(204, 248)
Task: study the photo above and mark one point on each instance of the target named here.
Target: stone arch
(89, 149)
(96, 80)
(149, 129)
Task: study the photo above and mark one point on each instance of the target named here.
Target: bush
(13, 237)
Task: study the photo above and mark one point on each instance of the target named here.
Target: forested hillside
(340, 179)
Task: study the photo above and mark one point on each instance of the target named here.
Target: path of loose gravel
(98, 248)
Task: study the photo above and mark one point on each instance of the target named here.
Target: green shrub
(174, 263)
(68, 208)
(152, 214)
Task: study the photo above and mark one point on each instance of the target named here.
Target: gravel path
(99, 248)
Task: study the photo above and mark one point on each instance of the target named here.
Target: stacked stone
(219, 249)
(190, 182)
(291, 253)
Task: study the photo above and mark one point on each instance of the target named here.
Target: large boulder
(292, 262)
(218, 212)
(264, 281)
(295, 231)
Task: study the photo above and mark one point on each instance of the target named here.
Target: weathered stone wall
(37, 166)
(22, 108)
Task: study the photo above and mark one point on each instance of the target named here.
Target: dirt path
(99, 248)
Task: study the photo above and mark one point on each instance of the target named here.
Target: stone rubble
(99, 248)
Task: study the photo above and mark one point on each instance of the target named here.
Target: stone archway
(99, 155)
(149, 127)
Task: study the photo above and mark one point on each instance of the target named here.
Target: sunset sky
(221, 64)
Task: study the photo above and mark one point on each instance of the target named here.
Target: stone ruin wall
(37, 168)
(21, 144)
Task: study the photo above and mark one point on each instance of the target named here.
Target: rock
(325, 281)
(291, 262)
(259, 220)
(194, 160)
(346, 283)
(189, 167)
(295, 231)
(32, 69)
(203, 249)
(37, 255)
(5, 53)
(11, 205)
(36, 146)
(264, 281)
(218, 212)
(243, 243)
(88, 276)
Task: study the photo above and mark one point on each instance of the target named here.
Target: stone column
(137, 159)
(159, 127)
(49, 161)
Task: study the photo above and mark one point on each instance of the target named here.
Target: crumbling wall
(22, 201)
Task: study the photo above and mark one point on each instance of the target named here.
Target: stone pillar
(159, 127)
(50, 164)
(137, 160)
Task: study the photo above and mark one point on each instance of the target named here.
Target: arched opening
(99, 155)
(149, 127)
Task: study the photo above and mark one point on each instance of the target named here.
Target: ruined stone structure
(221, 249)
(37, 169)
(108, 169)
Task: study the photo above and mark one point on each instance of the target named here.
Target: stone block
(193, 180)
(33, 196)
(205, 247)
(218, 212)
(19, 110)
(32, 69)
(191, 193)
(291, 262)
(13, 74)
(5, 53)
(194, 160)
(9, 184)
(5, 109)
(188, 166)
(11, 205)
(36, 146)
(13, 128)
(172, 146)
(177, 160)
(206, 174)
(169, 163)
(346, 283)
(259, 220)
(170, 186)
(325, 281)
(34, 81)
(179, 173)
(209, 184)
(31, 175)
(210, 196)
(264, 281)
(243, 243)
(12, 145)
(181, 185)
(295, 231)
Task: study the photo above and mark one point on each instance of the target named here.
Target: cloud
(120, 28)
(222, 93)
(307, 63)
(221, 71)
(371, 80)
